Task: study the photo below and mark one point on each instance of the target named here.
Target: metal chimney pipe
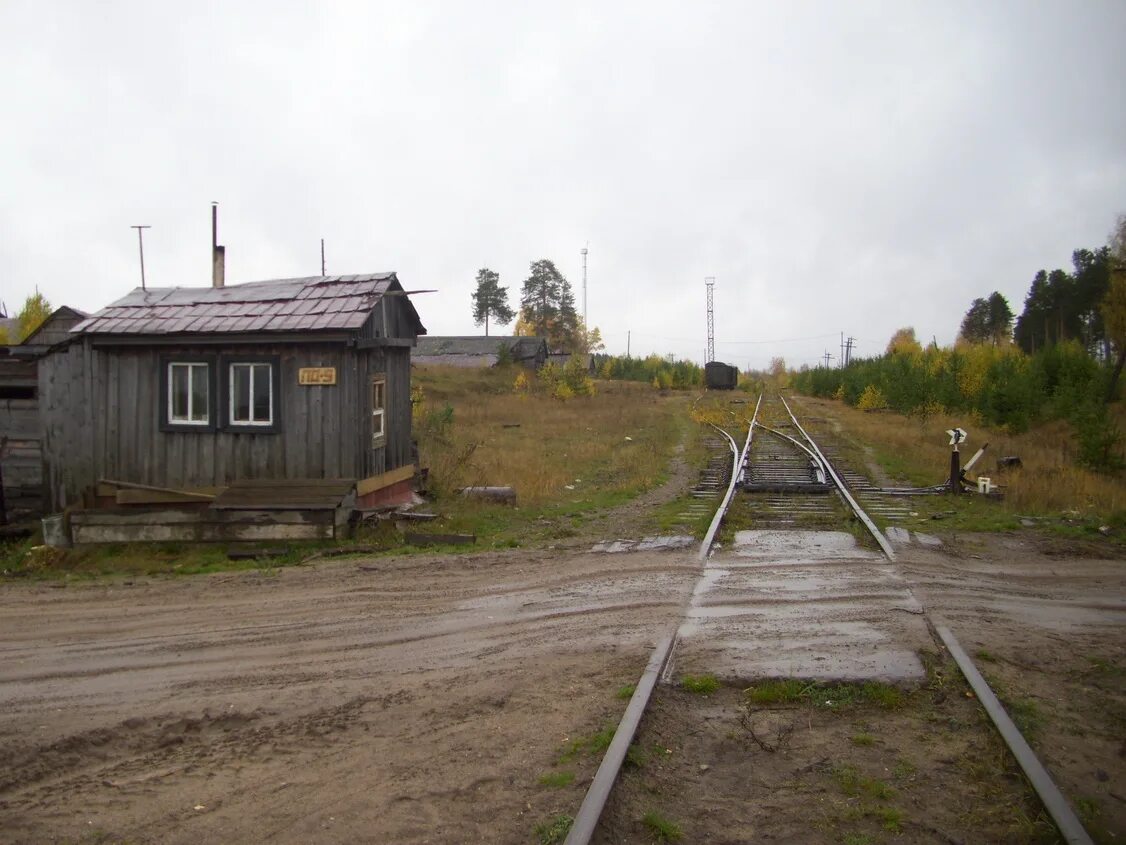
(218, 253)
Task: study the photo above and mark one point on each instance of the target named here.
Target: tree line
(1061, 359)
(547, 308)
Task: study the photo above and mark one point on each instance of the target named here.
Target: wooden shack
(232, 398)
(21, 459)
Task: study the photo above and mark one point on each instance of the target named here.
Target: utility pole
(322, 256)
(828, 358)
(710, 282)
(628, 333)
(583, 251)
(848, 351)
(842, 358)
(141, 245)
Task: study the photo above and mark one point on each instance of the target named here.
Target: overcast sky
(850, 167)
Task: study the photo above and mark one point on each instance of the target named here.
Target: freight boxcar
(720, 376)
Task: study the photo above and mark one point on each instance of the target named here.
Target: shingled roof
(307, 304)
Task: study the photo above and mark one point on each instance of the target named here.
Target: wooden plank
(204, 532)
(157, 497)
(198, 516)
(386, 479)
(129, 485)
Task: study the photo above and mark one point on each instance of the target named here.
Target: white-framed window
(251, 397)
(378, 411)
(189, 393)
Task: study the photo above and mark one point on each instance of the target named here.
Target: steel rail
(737, 465)
(817, 461)
(586, 820)
(590, 811)
(1068, 823)
(856, 509)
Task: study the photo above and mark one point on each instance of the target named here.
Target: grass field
(1049, 484)
(565, 459)
(574, 460)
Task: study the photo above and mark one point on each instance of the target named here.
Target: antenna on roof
(218, 253)
(322, 256)
(141, 244)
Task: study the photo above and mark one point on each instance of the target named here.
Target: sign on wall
(316, 375)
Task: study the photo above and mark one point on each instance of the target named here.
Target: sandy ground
(392, 701)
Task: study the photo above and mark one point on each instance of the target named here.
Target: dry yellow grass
(1049, 481)
(618, 441)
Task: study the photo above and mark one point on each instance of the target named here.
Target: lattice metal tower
(586, 325)
(710, 282)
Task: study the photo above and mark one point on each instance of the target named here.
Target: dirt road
(416, 700)
(409, 700)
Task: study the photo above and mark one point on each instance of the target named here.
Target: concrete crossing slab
(806, 604)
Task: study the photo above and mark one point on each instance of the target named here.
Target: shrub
(871, 399)
(1098, 437)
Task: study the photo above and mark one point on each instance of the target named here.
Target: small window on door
(378, 411)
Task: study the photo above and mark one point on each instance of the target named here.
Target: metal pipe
(1070, 827)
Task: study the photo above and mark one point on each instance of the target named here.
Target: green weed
(863, 739)
(699, 684)
(593, 744)
(853, 783)
(625, 693)
(791, 691)
(663, 829)
(555, 830)
(557, 779)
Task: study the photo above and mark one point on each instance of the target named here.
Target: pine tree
(490, 300)
(548, 305)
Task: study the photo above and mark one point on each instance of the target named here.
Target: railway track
(783, 483)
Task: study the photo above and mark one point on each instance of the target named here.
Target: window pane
(261, 392)
(199, 393)
(240, 393)
(178, 391)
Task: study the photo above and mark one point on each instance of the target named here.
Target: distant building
(530, 352)
(562, 359)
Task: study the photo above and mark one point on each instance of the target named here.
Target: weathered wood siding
(101, 415)
(21, 458)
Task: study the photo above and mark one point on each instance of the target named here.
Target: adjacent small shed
(21, 459)
(203, 389)
(530, 352)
